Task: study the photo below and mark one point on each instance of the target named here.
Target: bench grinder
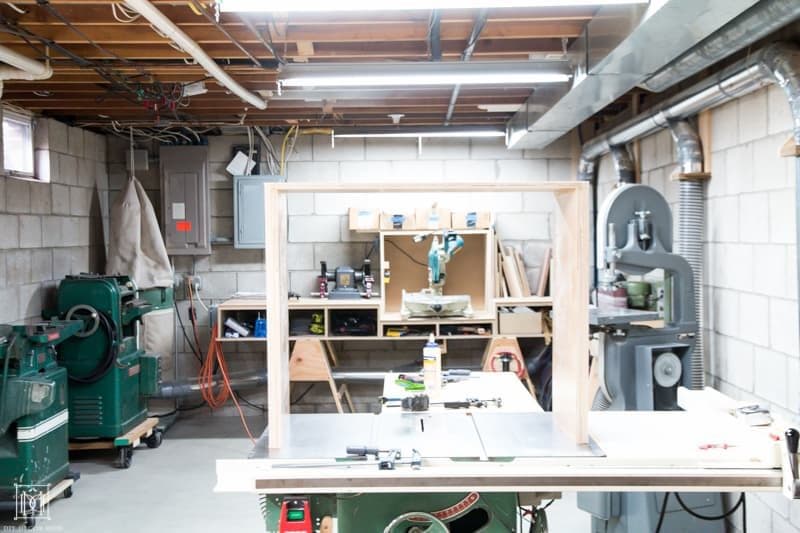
(109, 376)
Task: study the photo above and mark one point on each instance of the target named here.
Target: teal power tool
(34, 447)
(109, 376)
(432, 301)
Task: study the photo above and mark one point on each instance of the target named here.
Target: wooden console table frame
(570, 289)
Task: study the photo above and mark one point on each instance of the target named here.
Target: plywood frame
(570, 289)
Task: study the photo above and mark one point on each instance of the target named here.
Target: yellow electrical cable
(297, 132)
(194, 9)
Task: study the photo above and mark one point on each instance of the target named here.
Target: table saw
(490, 456)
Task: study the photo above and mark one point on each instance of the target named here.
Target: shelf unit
(406, 260)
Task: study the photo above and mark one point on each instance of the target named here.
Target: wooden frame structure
(570, 287)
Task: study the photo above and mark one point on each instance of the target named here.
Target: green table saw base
(371, 513)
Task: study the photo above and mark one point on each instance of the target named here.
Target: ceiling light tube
(259, 6)
(415, 133)
(421, 74)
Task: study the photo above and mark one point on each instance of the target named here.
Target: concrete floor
(170, 489)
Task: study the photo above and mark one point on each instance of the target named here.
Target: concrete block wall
(52, 227)
(751, 264)
(318, 228)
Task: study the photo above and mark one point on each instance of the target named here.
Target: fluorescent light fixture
(500, 108)
(261, 6)
(404, 74)
(416, 133)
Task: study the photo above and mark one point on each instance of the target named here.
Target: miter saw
(431, 302)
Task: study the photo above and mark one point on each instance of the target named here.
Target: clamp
(387, 459)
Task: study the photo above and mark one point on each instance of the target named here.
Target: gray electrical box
(248, 210)
(184, 199)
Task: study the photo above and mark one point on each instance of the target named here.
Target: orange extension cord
(215, 358)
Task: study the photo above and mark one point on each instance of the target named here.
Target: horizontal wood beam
(318, 33)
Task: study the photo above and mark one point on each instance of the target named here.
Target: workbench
(505, 451)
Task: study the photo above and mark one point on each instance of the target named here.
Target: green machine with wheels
(109, 375)
(33, 406)
(394, 513)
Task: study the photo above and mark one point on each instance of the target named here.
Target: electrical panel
(184, 199)
(248, 210)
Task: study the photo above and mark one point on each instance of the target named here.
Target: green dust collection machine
(109, 376)
(33, 406)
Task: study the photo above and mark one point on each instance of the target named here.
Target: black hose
(722, 516)
(740, 503)
(107, 362)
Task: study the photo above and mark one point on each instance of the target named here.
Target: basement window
(17, 144)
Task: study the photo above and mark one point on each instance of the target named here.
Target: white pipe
(166, 26)
(22, 68)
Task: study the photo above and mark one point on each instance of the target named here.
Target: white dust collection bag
(136, 247)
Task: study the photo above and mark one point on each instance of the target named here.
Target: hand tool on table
(422, 402)
(387, 459)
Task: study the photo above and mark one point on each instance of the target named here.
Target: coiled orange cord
(215, 361)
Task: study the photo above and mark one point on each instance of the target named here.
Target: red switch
(295, 516)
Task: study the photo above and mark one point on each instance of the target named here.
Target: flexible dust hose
(600, 403)
(690, 232)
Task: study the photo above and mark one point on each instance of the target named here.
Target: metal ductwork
(668, 30)
(782, 62)
(477, 28)
(251, 380)
(623, 164)
(742, 78)
(757, 22)
(691, 223)
(778, 63)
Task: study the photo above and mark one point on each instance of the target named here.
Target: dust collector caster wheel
(30, 522)
(125, 457)
(155, 439)
(67, 493)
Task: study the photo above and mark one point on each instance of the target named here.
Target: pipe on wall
(21, 67)
(623, 164)
(778, 62)
(691, 224)
(587, 171)
(250, 380)
(782, 63)
(166, 26)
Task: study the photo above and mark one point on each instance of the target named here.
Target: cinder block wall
(751, 265)
(318, 228)
(52, 229)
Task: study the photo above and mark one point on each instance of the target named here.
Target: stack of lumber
(512, 276)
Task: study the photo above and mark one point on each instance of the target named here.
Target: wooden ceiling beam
(205, 34)
(179, 12)
(340, 51)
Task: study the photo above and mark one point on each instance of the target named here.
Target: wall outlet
(195, 281)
